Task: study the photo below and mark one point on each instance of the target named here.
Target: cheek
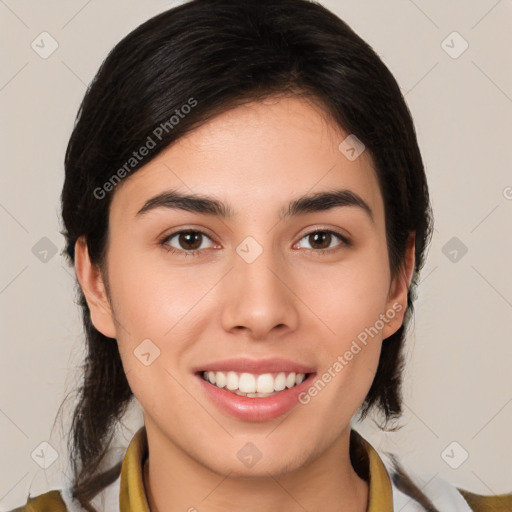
(351, 303)
(160, 315)
(152, 299)
(350, 298)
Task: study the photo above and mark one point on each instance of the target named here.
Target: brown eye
(321, 241)
(188, 242)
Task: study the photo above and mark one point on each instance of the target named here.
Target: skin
(212, 306)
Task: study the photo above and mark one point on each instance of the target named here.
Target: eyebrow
(317, 202)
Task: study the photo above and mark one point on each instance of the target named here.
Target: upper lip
(258, 366)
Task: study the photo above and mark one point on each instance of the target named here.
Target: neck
(329, 483)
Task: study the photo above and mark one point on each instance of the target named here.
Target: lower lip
(255, 409)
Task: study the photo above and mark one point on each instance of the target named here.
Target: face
(250, 295)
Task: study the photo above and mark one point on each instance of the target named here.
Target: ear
(397, 298)
(93, 287)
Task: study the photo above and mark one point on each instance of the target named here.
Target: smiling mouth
(253, 385)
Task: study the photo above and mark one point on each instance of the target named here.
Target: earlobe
(93, 287)
(397, 300)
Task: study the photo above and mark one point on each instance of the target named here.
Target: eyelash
(195, 252)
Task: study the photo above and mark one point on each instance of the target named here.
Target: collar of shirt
(132, 495)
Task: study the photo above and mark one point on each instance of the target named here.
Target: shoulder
(50, 501)
(411, 493)
(439, 495)
(480, 503)
(63, 500)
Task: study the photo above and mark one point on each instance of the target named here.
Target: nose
(258, 297)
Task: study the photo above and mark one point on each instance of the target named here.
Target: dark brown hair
(223, 53)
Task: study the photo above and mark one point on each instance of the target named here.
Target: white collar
(442, 494)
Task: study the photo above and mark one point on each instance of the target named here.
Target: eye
(190, 242)
(187, 241)
(321, 240)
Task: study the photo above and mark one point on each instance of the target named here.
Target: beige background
(459, 384)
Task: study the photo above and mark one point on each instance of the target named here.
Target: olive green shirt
(382, 492)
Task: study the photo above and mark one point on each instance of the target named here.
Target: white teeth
(248, 384)
(220, 380)
(265, 383)
(232, 381)
(280, 382)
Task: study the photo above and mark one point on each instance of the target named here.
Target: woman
(247, 212)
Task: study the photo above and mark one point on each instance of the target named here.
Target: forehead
(256, 155)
